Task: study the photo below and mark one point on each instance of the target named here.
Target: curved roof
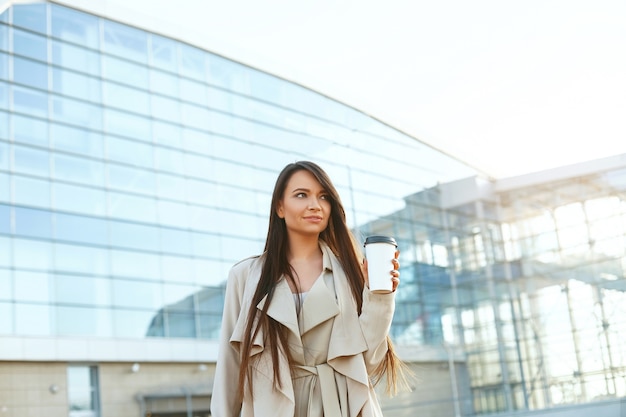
(508, 87)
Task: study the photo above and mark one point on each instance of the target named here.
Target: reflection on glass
(125, 41)
(6, 318)
(76, 85)
(76, 113)
(81, 259)
(128, 125)
(33, 319)
(30, 161)
(126, 98)
(83, 321)
(163, 53)
(80, 229)
(134, 236)
(5, 217)
(79, 199)
(30, 191)
(76, 140)
(29, 44)
(83, 391)
(74, 26)
(132, 207)
(30, 130)
(71, 168)
(82, 289)
(131, 179)
(33, 223)
(125, 72)
(135, 264)
(75, 57)
(30, 73)
(29, 101)
(5, 191)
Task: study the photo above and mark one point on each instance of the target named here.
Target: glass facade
(136, 169)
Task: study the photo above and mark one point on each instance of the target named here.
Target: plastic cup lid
(380, 239)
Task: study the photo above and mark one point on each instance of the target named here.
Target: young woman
(302, 335)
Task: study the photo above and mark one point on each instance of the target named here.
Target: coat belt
(328, 387)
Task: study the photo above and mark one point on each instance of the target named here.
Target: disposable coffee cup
(380, 252)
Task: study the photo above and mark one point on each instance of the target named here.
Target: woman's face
(305, 205)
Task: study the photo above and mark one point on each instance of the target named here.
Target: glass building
(136, 167)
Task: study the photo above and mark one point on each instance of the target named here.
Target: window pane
(124, 124)
(76, 140)
(79, 199)
(166, 134)
(29, 101)
(32, 320)
(76, 58)
(80, 229)
(133, 236)
(5, 189)
(4, 127)
(32, 287)
(77, 113)
(4, 33)
(81, 289)
(132, 207)
(31, 254)
(137, 294)
(75, 169)
(6, 285)
(165, 109)
(163, 53)
(171, 186)
(130, 152)
(81, 259)
(135, 264)
(131, 323)
(4, 64)
(75, 27)
(163, 83)
(175, 241)
(5, 219)
(33, 223)
(125, 72)
(131, 179)
(83, 391)
(31, 161)
(30, 45)
(6, 318)
(31, 73)
(168, 160)
(4, 97)
(83, 321)
(126, 98)
(4, 155)
(30, 130)
(6, 252)
(193, 62)
(75, 85)
(193, 91)
(124, 41)
(31, 192)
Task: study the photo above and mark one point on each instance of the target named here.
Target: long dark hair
(341, 242)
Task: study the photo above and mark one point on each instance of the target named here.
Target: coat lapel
(319, 305)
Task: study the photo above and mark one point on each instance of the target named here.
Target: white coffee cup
(380, 252)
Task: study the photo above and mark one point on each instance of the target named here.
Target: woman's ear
(279, 211)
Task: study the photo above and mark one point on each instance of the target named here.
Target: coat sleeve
(376, 315)
(224, 398)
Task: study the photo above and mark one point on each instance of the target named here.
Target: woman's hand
(395, 272)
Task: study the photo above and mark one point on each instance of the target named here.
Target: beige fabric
(328, 341)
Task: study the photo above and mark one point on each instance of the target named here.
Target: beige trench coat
(355, 345)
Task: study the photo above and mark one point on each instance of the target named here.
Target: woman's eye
(300, 195)
(324, 197)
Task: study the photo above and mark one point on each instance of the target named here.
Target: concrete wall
(25, 387)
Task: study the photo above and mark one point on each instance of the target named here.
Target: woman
(302, 335)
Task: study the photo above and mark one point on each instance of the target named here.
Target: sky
(510, 87)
